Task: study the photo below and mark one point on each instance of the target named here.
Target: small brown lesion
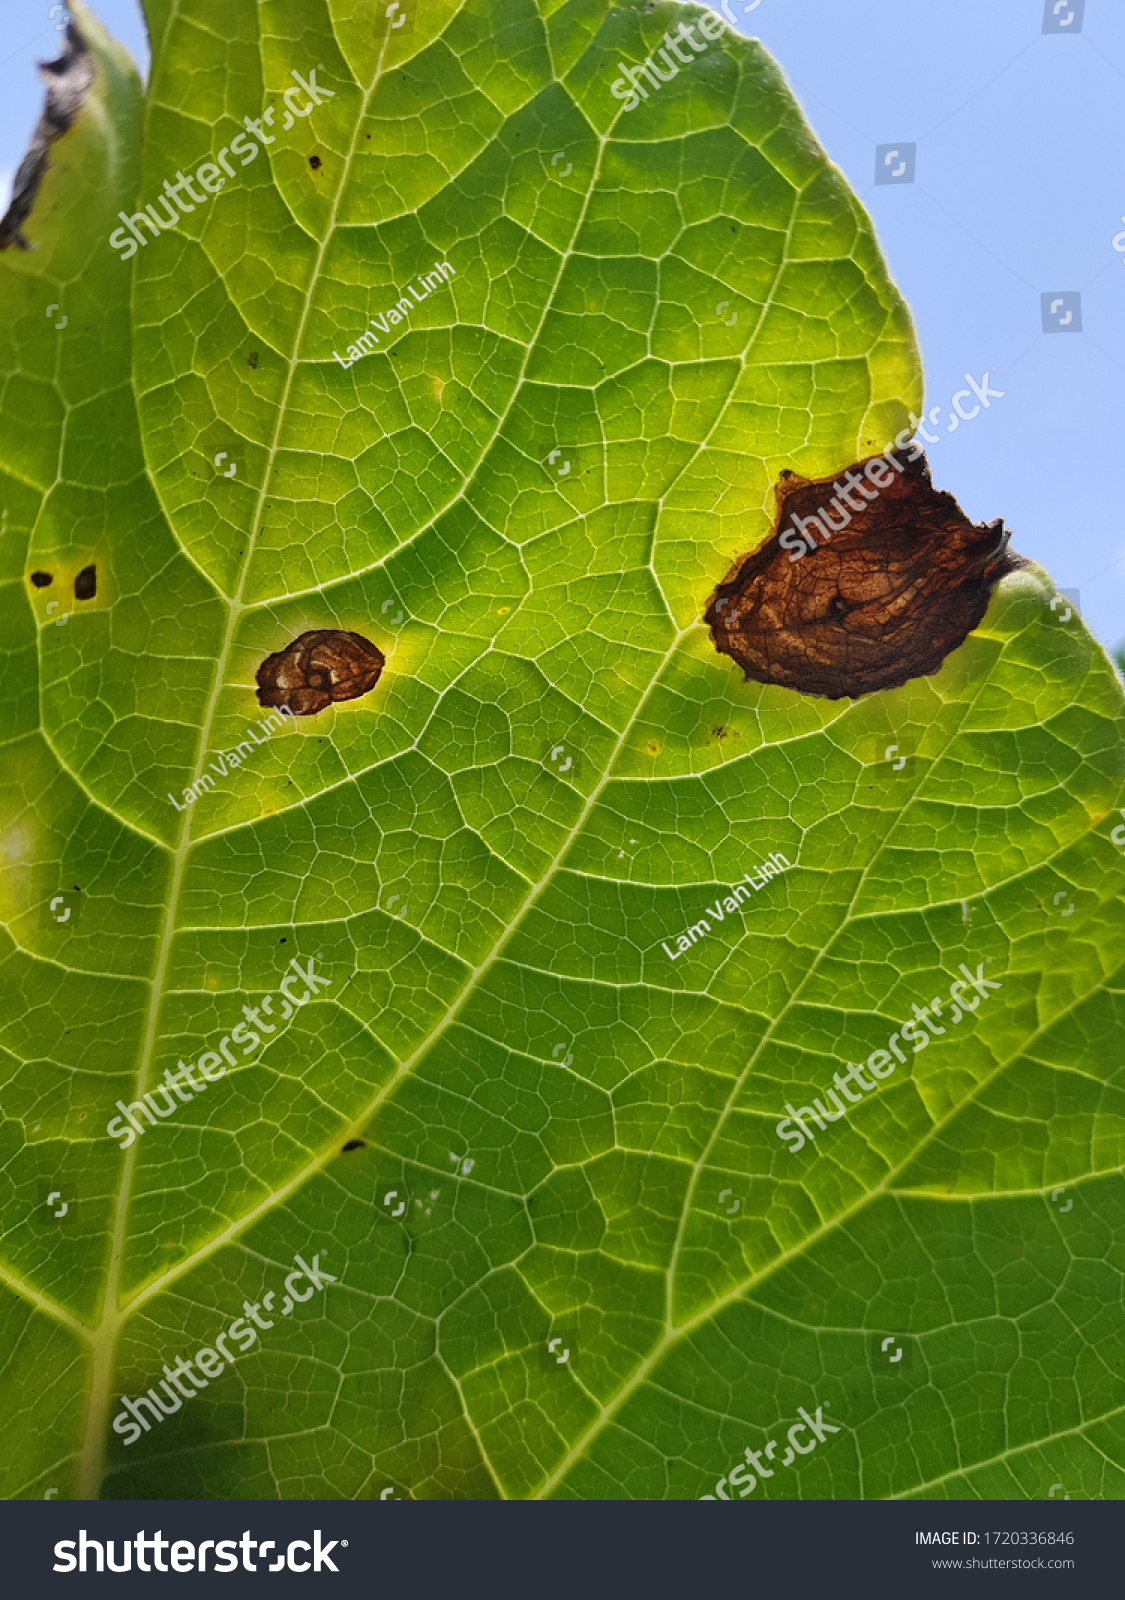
(886, 581)
(320, 668)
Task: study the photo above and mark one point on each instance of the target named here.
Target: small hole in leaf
(86, 583)
(41, 579)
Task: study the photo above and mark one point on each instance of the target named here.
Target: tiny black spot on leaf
(314, 162)
(86, 583)
(252, 359)
(41, 579)
(896, 579)
(355, 1144)
(319, 668)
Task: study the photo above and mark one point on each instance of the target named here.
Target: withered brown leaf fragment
(318, 668)
(68, 81)
(881, 599)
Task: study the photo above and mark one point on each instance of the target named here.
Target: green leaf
(524, 495)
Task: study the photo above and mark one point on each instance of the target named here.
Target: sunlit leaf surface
(527, 1122)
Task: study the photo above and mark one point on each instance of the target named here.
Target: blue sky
(1018, 192)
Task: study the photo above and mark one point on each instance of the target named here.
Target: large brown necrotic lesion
(870, 604)
(319, 668)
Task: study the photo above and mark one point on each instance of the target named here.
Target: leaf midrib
(104, 1342)
(104, 1339)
